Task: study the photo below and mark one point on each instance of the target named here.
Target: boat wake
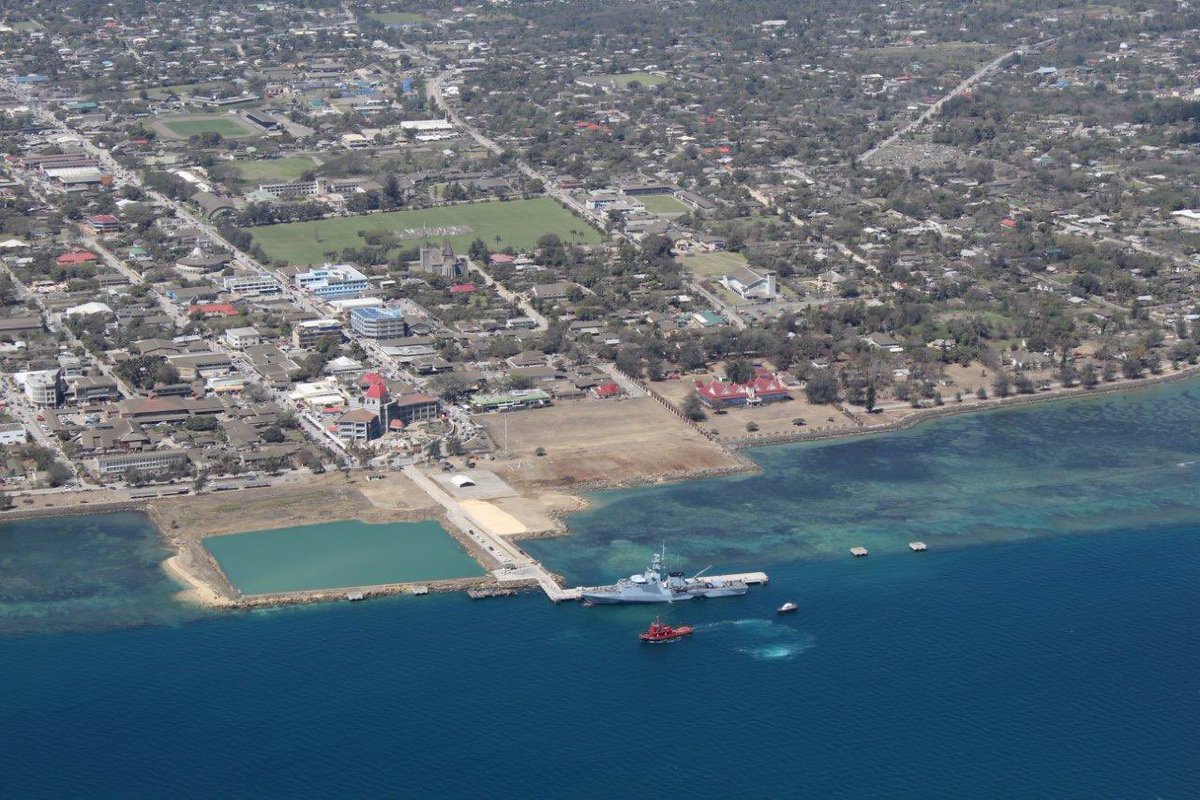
(764, 639)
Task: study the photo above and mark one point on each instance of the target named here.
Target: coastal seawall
(76, 510)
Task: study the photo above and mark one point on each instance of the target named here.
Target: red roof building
(463, 288)
(210, 310)
(604, 390)
(75, 257)
(372, 379)
(765, 387)
(104, 223)
(502, 258)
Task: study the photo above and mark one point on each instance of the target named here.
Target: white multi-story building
(144, 461)
(251, 284)
(340, 280)
(307, 333)
(379, 323)
(241, 338)
(42, 388)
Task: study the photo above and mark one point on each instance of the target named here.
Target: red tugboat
(660, 632)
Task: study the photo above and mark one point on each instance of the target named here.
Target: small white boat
(787, 607)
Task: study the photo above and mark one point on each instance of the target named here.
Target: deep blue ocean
(1046, 645)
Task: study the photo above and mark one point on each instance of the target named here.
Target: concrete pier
(516, 567)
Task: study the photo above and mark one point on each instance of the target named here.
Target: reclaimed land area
(516, 223)
(584, 446)
(186, 521)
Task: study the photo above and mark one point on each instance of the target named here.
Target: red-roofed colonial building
(75, 257)
(765, 387)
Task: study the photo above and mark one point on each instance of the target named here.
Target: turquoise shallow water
(340, 554)
(1105, 463)
(1041, 662)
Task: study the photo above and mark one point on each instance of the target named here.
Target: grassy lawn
(276, 169)
(713, 264)
(398, 18)
(644, 78)
(663, 204)
(226, 126)
(518, 223)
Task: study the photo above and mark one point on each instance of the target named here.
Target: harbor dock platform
(517, 568)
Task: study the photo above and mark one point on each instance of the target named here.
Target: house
(1189, 218)
(20, 325)
(87, 309)
(750, 284)
(707, 319)
(829, 281)
(882, 341)
(552, 291)
(764, 387)
(528, 358)
(606, 390)
(13, 433)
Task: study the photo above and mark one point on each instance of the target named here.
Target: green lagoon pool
(339, 554)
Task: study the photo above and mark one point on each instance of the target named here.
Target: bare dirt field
(602, 441)
(320, 498)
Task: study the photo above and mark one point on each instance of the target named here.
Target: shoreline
(915, 416)
(202, 581)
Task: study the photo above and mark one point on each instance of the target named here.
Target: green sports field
(626, 78)
(663, 204)
(517, 223)
(708, 265)
(226, 126)
(275, 169)
(398, 18)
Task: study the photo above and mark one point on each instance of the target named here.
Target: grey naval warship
(651, 587)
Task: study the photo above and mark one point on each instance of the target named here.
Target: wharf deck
(516, 565)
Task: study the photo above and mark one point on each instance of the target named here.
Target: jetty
(517, 568)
